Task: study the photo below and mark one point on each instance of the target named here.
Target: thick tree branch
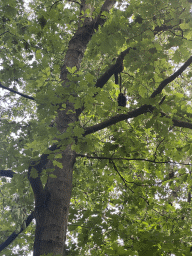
(120, 117)
(21, 94)
(113, 69)
(137, 112)
(182, 124)
(178, 123)
(12, 237)
(171, 78)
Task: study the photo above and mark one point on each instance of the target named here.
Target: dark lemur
(121, 100)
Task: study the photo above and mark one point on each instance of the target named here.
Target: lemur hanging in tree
(121, 100)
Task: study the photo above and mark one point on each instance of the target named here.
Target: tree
(131, 166)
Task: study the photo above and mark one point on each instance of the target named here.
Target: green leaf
(56, 163)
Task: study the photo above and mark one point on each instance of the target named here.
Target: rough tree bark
(52, 202)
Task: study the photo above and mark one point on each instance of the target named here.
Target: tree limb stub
(19, 93)
(7, 173)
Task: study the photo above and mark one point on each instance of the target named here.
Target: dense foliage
(132, 177)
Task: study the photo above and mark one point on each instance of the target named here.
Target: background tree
(59, 115)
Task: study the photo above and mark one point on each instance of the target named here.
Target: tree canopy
(59, 118)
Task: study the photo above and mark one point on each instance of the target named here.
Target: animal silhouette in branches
(121, 100)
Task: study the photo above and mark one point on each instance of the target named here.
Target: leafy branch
(171, 78)
(14, 235)
(125, 182)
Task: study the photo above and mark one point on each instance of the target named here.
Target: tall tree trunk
(52, 202)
